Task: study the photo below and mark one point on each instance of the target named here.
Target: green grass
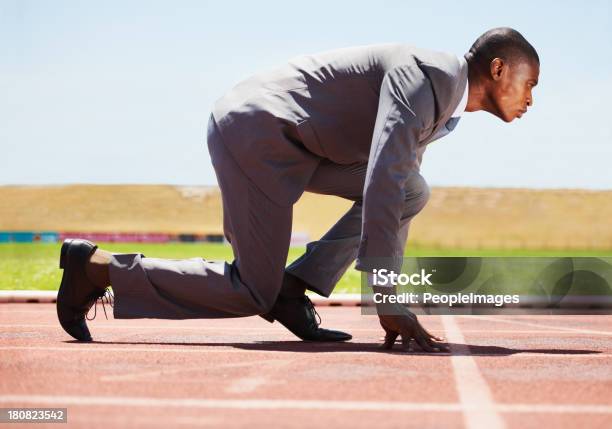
(35, 266)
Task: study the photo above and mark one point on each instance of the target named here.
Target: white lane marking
(299, 404)
(249, 404)
(474, 395)
(538, 325)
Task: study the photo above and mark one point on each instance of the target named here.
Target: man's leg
(326, 260)
(259, 232)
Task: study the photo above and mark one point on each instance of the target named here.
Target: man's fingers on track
(421, 341)
(434, 341)
(430, 335)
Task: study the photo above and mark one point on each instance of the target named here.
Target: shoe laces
(105, 297)
(313, 311)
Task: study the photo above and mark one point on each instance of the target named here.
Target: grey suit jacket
(380, 104)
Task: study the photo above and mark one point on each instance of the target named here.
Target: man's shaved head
(503, 69)
(504, 43)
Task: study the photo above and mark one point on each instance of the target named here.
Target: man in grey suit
(351, 122)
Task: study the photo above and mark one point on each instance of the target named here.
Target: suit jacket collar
(448, 94)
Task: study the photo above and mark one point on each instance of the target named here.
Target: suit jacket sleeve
(406, 105)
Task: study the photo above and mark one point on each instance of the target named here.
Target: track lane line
(479, 409)
(298, 404)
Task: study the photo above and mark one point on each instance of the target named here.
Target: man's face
(512, 86)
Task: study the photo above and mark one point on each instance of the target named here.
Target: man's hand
(405, 323)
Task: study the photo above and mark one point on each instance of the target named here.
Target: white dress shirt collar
(463, 103)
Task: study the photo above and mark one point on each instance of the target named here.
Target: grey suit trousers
(259, 231)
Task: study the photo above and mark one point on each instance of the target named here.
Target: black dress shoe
(76, 293)
(300, 317)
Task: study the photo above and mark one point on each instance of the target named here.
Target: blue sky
(120, 91)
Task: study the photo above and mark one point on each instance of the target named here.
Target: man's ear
(497, 68)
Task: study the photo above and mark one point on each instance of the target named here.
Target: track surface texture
(502, 372)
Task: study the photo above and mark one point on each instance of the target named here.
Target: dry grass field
(470, 218)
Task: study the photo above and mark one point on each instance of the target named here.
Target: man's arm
(406, 104)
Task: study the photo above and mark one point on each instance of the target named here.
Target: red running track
(503, 371)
